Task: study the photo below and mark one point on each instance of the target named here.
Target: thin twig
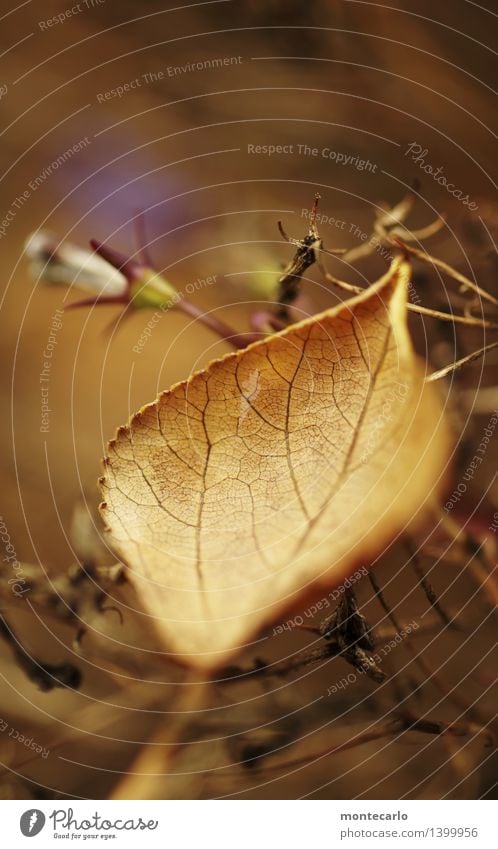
(99, 717)
(425, 583)
(393, 728)
(421, 233)
(446, 269)
(426, 668)
(236, 674)
(437, 375)
(46, 676)
(388, 224)
(479, 566)
(156, 757)
(141, 238)
(428, 311)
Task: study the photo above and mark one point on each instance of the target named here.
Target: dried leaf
(272, 473)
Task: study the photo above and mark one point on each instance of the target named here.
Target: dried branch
(393, 728)
(428, 671)
(157, 756)
(469, 321)
(46, 676)
(347, 635)
(446, 269)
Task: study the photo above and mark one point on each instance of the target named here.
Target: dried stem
(479, 565)
(98, 717)
(483, 324)
(237, 674)
(437, 375)
(441, 316)
(392, 728)
(446, 269)
(346, 634)
(425, 584)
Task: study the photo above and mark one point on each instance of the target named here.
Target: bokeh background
(360, 78)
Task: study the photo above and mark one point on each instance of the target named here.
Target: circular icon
(32, 822)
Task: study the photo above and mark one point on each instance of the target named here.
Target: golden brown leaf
(274, 472)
